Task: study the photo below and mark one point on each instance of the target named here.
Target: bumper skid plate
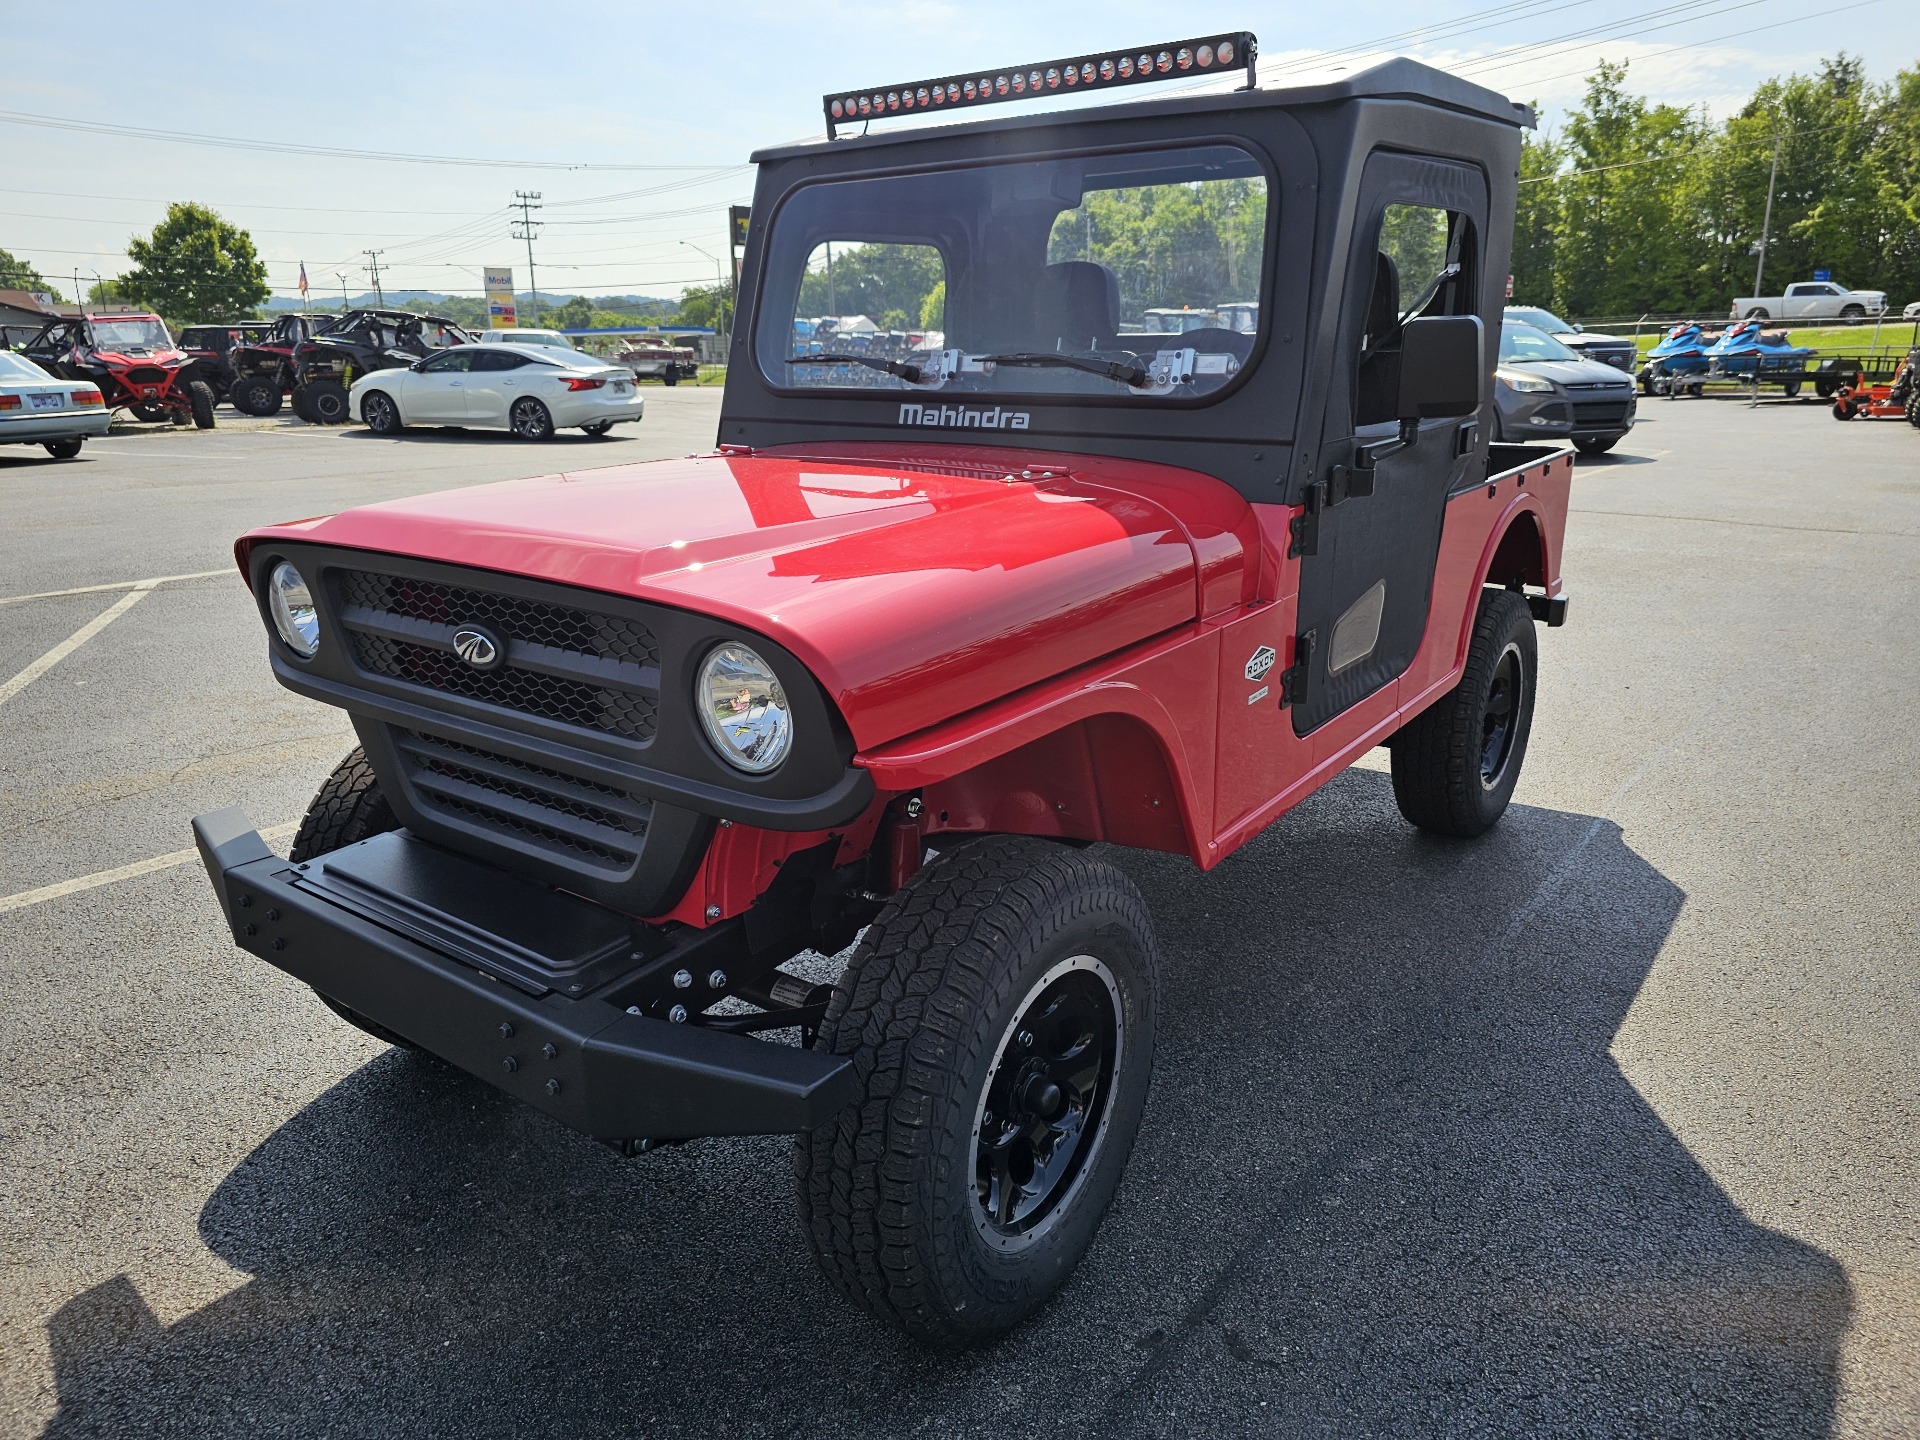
(473, 965)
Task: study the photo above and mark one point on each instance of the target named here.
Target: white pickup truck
(1812, 300)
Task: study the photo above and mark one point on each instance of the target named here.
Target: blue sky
(689, 86)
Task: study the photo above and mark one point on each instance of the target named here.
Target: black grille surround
(1600, 406)
(577, 758)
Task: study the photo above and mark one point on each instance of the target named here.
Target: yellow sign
(500, 314)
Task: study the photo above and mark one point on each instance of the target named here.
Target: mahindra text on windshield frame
(1034, 277)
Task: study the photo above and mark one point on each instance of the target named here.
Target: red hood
(915, 585)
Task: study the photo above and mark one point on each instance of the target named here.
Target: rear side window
(1422, 267)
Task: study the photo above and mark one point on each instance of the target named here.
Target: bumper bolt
(1026, 1039)
(683, 980)
(511, 1064)
(250, 929)
(914, 807)
(245, 901)
(550, 1051)
(273, 914)
(717, 980)
(713, 912)
(678, 1014)
(279, 944)
(553, 1087)
(506, 1030)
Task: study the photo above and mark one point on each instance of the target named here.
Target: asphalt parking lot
(1607, 1124)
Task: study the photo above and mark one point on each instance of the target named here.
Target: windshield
(1094, 276)
(1540, 319)
(137, 334)
(18, 367)
(1521, 343)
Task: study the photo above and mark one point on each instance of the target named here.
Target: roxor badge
(1261, 663)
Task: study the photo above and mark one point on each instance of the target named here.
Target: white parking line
(121, 872)
(73, 642)
(146, 584)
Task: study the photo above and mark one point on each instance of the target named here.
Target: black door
(1366, 574)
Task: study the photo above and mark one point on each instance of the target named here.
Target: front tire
(1853, 314)
(1596, 447)
(379, 412)
(200, 402)
(148, 414)
(1000, 1018)
(1456, 763)
(348, 808)
(530, 419)
(64, 449)
(327, 402)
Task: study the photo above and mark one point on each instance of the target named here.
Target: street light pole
(1766, 224)
(719, 279)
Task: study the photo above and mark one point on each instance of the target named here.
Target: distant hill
(426, 299)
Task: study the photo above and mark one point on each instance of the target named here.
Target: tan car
(655, 359)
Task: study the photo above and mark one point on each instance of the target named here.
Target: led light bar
(1105, 70)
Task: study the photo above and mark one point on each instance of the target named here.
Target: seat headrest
(1076, 306)
(1383, 309)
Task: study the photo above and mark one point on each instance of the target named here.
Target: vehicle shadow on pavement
(460, 435)
(1391, 1181)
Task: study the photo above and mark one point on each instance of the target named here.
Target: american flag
(303, 279)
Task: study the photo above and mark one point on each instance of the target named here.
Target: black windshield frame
(774, 304)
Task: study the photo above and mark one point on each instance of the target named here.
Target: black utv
(211, 347)
(328, 362)
(262, 367)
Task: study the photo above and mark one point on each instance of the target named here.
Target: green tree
(707, 307)
(196, 267)
(933, 309)
(871, 280)
(1536, 222)
(17, 274)
(576, 314)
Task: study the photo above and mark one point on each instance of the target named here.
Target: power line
(330, 152)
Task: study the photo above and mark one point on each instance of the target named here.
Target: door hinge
(1293, 679)
(1305, 527)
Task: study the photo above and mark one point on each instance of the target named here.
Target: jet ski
(1747, 350)
(1681, 353)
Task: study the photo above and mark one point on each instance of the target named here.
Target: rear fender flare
(1516, 553)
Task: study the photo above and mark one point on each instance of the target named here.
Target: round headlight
(745, 709)
(294, 615)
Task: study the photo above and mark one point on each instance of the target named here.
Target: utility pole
(373, 269)
(525, 228)
(341, 276)
(1760, 269)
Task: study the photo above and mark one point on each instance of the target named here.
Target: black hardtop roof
(1396, 79)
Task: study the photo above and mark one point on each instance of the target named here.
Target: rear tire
(1791, 388)
(348, 808)
(201, 402)
(1000, 1019)
(598, 428)
(298, 402)
(1456, 763)
(1842, 410)
(327, 402)
(530, 419)
(670, 379)
(64, 449)
(380, 413)
(1757, 314)
(258, 396)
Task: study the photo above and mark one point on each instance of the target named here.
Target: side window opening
(1423, 266)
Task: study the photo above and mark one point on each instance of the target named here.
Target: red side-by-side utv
(885, 674)
(132, 359)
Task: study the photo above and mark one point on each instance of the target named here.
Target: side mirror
(1578, 328)
(1443, 367)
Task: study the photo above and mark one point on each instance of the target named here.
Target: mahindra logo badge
(476, 647)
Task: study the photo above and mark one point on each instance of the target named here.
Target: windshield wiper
(1132, 375)
(907, 372)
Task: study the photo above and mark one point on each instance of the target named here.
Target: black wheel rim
(1500, 720)
(379, 413)
(1045, 1107)
(530, 419)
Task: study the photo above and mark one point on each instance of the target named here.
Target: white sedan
(38, 409)
(531, 390)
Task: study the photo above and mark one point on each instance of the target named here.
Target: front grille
(571, 819)
(564, 664)
(1596, 413)
(145, 375)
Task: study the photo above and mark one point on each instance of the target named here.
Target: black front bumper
(519, 984)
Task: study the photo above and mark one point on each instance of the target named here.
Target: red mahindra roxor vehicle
(882, 674)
